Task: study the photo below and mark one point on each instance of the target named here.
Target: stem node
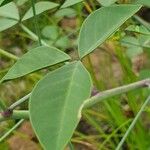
(7, 113)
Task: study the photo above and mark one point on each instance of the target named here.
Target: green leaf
(6, 23)
(133, 46)
(63, 42)
(67, 12)
(21, 2)
(35, 59)
(56, 103)
(4, 2)
(106, 2)
(9, 10)
(1, 1)
(98, 26)
(69, 3)
(143, 2)
(51, 32)
(40, 8)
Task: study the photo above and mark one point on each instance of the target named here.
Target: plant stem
(33, 35)
(116, 91)
(17, 114)
(20, 101)
(88, 103)
(11, 130)
(7, 54)
(36, 22)
(133, 123)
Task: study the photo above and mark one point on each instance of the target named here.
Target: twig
(33, 35)
(116, 91)
(88, 103)
(17, 114)
(20, 101)
(8, 55)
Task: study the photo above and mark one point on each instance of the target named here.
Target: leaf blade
(106, 3)
(69, 3)
(35, 59)
(4, 2)
(40, 7)
(57, 117)
(9, 10)
(6, 23)
(103, 26)
(143, 2)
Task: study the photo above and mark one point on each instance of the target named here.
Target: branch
(33, 35)
(116, 91)
(20, 101)
(17, 114)
(7, 54)
(88, 103)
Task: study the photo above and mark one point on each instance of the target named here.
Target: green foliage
(21, 2)
(57, 100)
(40, 8)
(144, 40)
(9, 16)
(133, 46)
(6, 23)
(143, 2)
(106, 3)
(62, 94)
(9, 11)
(4, 2)
(50, 32)
(98, 26)
(35, 59)
(66, 12)
(138, 29)
(69, 3)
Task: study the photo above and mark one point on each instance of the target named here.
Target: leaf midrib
(64, 107)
